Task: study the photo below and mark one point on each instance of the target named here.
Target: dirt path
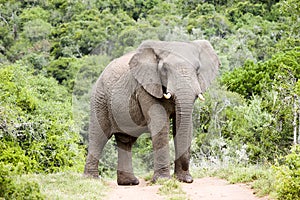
(202, 189)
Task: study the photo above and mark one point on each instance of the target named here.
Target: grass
(68, 185)
(171, 188)
(71, 185)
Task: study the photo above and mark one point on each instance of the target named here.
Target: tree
(36, 132)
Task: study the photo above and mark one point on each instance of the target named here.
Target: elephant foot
(91, 173)
(160, 175)
(126, 178)
(91, 167)
(184, 176)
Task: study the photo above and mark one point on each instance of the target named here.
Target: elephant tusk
(168, 95)
(200, 96)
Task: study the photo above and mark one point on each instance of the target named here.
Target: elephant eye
(198, 71)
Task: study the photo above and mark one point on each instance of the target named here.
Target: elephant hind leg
(98, 137)
(91, 166)
(125, 169)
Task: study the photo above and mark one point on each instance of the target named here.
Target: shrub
(288, 173)
(10, 188)
(36, 126)
(265, 123)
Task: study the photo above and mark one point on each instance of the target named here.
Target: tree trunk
(295, 113)
(298, 120)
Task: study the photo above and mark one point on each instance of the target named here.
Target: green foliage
(53, 49)
(6, 39)
(262, 125)
(287, 174)
(34, 13)
(64, 71)
(68, 185)
(89, 69)
(88, 32)
(171, 188)
(143, 154)
(254, 79)
(36, 30)
(251, 125)
(14, 154)
(12, 188)
(241, 8)
(275, 81)
(36, 127)
(234, 131)
(242, 174)
(211, 23)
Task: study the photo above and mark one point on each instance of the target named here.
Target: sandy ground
(201, 189)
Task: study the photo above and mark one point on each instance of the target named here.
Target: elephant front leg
(182, 168)
(125, 174)
(160, 142)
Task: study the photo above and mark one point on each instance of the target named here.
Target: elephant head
(180, 72)
(161, 66)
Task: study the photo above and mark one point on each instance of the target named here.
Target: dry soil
(201, 189)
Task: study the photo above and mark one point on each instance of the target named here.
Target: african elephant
(140, 92)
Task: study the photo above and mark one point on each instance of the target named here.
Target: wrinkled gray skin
(140, 92)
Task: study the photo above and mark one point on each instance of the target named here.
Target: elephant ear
(144, 68)
(209, 63)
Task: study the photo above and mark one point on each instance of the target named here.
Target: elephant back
(114, 70)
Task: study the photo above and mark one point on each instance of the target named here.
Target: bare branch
(295, 113)
(4, 20)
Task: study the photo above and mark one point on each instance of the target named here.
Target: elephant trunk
(183, 129)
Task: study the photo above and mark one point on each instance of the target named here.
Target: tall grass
(68, 185)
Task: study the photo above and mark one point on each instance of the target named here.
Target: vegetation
(52, 51)
(67, 185)
(10, 188)
(287, 182)
(171, 189)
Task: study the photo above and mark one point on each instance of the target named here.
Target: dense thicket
(51, 52)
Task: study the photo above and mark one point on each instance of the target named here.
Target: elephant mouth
(168, 94)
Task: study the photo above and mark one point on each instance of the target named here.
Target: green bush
(63, 70)
(241, 8)
(257, 78)
(36, 126)
(265, 123)
(288, 176)
(229, 129)
(12, 188)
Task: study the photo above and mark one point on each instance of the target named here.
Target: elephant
(152, 89)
